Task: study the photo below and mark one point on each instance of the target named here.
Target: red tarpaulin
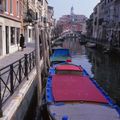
(69, 67)
(75, 88)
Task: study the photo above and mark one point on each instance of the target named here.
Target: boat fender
(49, 82)
(49, 95)
(53, 114)
(65, 118)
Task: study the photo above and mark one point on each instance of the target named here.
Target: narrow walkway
(8, 59)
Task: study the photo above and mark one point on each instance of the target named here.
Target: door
(7, 39)
(18, 35)
(119, 38)
(0, 40)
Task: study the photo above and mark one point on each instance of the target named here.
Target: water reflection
(103, 67)
(79, 56)
(106, 69)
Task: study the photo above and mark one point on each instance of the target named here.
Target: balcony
(29, 16)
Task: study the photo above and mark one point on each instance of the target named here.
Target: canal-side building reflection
(106, 69)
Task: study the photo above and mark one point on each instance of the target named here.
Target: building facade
(10, 25)
(20, 16)
(96, 20)
(36, 11)
(106, 21)
(89, 25)
(51, 21)
(29, 14)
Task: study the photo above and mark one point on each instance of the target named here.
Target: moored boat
(72, 95)
(60, 55)
(90, 45)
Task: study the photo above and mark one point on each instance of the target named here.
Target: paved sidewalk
(16, 55)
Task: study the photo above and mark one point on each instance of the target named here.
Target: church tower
(72, 10)
(72, 15)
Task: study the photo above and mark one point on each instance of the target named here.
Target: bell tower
(72, 10)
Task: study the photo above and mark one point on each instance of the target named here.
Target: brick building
(10, 25)
(19, 16)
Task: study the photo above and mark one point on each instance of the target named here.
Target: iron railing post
(30, 60)
(1, 113)
(20, 76)
(26, 66)
(11, 79)
(33, 57)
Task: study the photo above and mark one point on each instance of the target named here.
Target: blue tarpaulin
(61, 52)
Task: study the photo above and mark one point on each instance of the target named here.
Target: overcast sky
(62, 7)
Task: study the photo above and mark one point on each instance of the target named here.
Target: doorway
(7, 39)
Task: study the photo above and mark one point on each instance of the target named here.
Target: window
(36, 16)
(6, 5)
(11, 6)
(1, 6)
(29, 33)
(18, 35)
(12, 35)
(0, 2)
(17, 8)
(41, 2)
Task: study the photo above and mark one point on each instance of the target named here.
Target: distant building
(51, 21)
(73, 22)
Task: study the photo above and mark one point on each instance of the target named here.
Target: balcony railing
(29, 16)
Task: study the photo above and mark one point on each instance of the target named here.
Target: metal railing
(12, 75)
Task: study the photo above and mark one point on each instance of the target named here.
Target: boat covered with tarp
(60, 55)
(72, 95)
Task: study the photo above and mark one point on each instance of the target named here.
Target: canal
(104, 68)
